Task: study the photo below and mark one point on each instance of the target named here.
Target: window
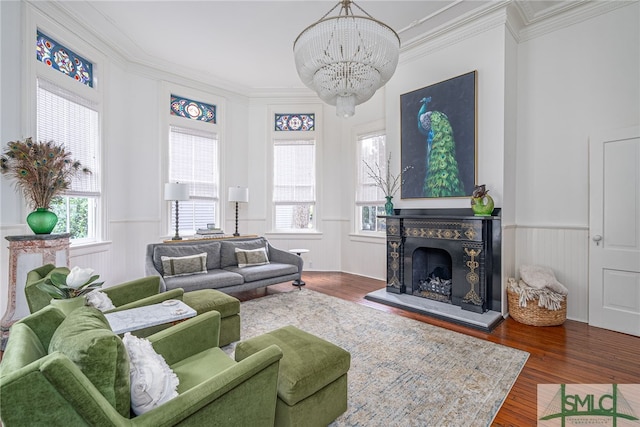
(194, 160)
(369, 198)
(294, 184)
(67, 118)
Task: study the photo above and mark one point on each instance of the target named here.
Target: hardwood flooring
(574, 353)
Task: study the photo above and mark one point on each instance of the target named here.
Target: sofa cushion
(228, 249)
(250, 257)
(23, 348)
(152, 380)
(267, 271)
(86, 339)
(213, 279)
(178, 250)
(184, 265)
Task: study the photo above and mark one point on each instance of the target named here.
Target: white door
(614, 227)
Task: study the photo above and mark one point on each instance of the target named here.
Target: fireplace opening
(432, 274)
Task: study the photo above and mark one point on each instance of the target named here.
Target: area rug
(403, 372)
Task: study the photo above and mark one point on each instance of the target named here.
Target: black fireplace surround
(448, 255)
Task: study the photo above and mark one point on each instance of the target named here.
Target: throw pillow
(152, 380)
(183, 266)
(251, 257)
(540, 277)
(86, 338)
(100, 300)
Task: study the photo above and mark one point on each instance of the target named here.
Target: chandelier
(346, 58)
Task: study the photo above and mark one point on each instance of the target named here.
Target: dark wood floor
(574, 353)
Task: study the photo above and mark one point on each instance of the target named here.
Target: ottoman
(204, 300)
(312, 380)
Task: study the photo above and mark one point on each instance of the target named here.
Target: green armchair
(135, 293)
(76, 372)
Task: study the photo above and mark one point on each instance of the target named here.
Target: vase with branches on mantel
(388, 183)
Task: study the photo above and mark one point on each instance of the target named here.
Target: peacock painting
(438, 139)
(442, 178)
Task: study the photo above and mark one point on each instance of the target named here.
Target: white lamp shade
(238, 194)
(176, 191)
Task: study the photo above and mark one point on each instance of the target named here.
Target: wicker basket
(533, 314)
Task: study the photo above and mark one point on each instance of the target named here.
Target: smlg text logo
(616, 405)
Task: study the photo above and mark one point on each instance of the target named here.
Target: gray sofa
(223, 273)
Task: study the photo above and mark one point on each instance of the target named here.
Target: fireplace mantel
(473, 243)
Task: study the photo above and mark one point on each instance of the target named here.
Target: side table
(299, 282)
(169, 311)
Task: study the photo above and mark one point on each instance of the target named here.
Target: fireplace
(445, 255)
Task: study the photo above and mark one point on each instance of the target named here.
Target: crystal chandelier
(346, 58)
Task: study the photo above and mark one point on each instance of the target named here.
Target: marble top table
(151, 315)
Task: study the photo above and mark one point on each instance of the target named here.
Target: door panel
(614, 225)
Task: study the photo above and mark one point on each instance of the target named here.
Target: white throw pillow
(540, 277)
(100, 300)
(184, 265)
(251, 257)
(152, 380)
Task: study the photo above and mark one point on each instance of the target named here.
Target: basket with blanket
(537, 299)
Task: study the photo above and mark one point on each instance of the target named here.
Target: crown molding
(467, 26)
(562, 17)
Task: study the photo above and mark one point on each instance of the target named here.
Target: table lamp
(175, 191)
(238, 195)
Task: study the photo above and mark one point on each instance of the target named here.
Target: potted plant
(388, 183)
(41, 170)
(68, 291)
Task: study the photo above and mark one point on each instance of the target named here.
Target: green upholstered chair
(146, 291)
(76, 372)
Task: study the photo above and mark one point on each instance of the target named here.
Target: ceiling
(247, 46)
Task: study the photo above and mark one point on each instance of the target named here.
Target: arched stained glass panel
(63, 59)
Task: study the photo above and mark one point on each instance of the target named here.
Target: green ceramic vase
(42, 221)
(482, 206)
(388, 207)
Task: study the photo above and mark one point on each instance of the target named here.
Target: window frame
(316, 136)
(35, 70)
(359, 133)
(167, 120)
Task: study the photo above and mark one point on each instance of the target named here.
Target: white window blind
(294, 183)
(193, 160)
(69, 119)
(294, 171)
(371, 149)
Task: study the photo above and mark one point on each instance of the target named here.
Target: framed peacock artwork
(438, 139)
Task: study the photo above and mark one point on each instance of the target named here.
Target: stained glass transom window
(63, 59)
(194, 110)
(295, 122)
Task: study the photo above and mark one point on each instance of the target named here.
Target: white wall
(572, 83)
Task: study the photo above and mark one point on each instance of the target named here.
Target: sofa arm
(154, 299)
(286, 257)
(187, 338)
(243, 395)
(133, 290)
(53, 390)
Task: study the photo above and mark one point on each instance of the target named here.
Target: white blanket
(546, 297)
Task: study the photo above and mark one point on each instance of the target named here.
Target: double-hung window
(68, 113)
(194, 160)
(369, 198)
(294, 184)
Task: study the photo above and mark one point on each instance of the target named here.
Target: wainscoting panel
(508, 261)
(566, 251)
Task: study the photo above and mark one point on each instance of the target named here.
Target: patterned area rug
(403, 372)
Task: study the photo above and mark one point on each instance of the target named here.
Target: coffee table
(170, 311)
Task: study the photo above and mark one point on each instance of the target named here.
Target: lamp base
(176, 238)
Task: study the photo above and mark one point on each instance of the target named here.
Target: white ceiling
(248, 45)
